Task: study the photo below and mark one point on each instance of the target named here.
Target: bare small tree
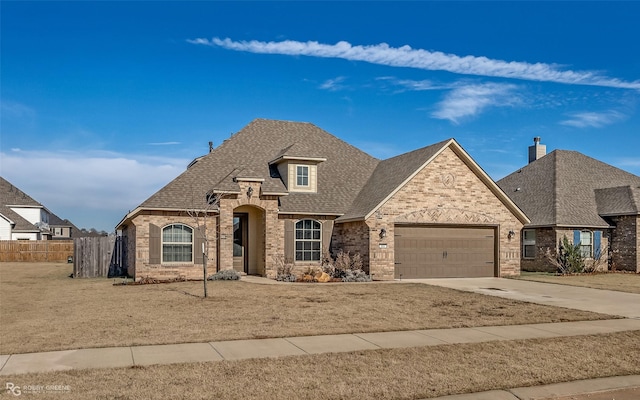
(201, 212)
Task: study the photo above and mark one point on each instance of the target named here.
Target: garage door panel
(438, 252)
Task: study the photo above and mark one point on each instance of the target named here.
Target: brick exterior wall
(328, 246)
(446, 192)
(551, 238)
(625, 243)
(138, 242)
(545, 239)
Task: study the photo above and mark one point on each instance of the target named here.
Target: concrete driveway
(586, 299)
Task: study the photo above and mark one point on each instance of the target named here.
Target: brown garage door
(438, 252)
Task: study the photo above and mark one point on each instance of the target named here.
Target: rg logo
(13, 389)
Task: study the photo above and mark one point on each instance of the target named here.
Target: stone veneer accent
(445, 192)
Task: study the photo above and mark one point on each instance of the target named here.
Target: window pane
(177, 243)
(529, 235)
(308, 244)
(529, 251)
(585, 238)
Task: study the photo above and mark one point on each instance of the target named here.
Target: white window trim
(590, 244)
(299, 175)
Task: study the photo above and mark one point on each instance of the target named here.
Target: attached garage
(444, 252)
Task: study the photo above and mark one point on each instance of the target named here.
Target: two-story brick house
(291, 191)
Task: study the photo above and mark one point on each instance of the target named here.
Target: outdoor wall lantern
(511, 234)
(383, 233)
(249, 191)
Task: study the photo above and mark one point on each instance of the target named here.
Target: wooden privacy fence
(99, 257)
(35, 250)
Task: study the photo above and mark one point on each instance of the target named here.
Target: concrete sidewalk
(291, 346)
(580, 298)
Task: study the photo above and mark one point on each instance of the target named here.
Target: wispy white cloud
(94, 186)
(405, 56)
(469, 100)
(15, 109)
(413, 85)
(593, 119)
(163, 143)
(333, 84)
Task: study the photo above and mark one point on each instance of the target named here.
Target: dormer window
(298, 173)
(302, 175)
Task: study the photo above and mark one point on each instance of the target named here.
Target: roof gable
(393, 174)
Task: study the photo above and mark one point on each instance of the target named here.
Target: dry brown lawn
(411, 373)
(42, 309)
(620, 281)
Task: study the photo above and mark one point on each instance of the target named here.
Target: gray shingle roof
(560, 189)
(249, 151)
(12, 196)
(622, 200)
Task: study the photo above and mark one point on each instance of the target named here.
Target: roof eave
(280, 159)
(309, 213)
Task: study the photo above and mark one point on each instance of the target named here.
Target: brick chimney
(536, 151)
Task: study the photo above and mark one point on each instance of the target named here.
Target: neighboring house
(566, 193)
(62, 229)
(21, 217)
(293, 193)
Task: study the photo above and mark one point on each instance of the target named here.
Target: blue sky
(103, 103)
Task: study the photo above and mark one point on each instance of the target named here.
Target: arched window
(177, 244)
(308, 240)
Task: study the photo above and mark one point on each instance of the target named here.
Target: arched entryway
(249, 240)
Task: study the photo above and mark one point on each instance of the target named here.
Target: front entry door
(240, 242)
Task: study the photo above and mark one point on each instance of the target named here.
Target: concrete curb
(575, 388)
